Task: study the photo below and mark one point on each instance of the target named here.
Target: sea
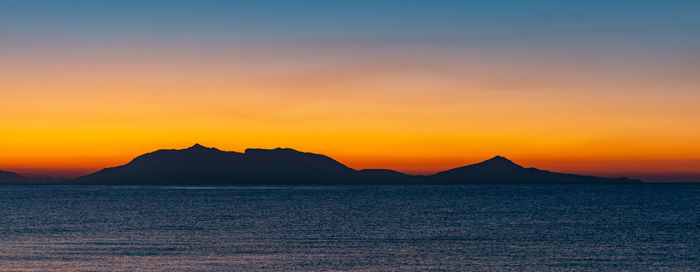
(623, 227)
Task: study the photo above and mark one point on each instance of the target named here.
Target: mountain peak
(499, 161)
(198, 146)
(499, 158)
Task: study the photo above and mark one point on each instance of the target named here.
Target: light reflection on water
(350, 228)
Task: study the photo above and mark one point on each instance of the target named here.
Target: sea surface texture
(643, 227)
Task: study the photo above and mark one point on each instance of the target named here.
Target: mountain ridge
(7, 177)
(207, 165)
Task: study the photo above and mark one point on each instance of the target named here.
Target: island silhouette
(199, 165)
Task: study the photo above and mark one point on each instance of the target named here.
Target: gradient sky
(593, 87)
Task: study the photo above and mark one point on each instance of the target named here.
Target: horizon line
(646, 177)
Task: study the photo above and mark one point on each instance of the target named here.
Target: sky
(592, 87)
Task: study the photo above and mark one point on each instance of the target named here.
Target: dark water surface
(351, 228)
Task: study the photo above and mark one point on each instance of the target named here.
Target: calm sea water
(351, 228)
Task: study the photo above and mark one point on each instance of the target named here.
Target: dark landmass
(14, 178)
(501, 170)
(209, 166)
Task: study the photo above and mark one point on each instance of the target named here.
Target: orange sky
(81, 111)
(415, 86)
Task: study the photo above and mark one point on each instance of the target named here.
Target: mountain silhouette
(204, 165)
(7, 177)
(501, 170)
(11, 177)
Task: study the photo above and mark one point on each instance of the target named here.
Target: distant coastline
(199, 165)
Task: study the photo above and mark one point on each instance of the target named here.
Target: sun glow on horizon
(407, 87)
